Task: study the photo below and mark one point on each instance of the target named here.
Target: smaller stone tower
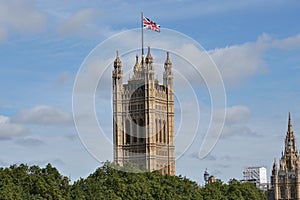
(285, 180)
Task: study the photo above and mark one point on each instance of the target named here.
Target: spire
(290, 155)
(149, 58)
(275, 164)
(168, 75)
(290, 134)
(142, 60)
(290, 138)
(136, 68)
(136, 59)
(136, 65)
(117, 62)
(168, 65)
(168, 62)
(290, 130)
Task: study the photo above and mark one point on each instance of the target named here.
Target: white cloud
(44, 115)
(78, 23)
(235, 63)
(234, 114)
(237, 113)
(238, 62)
(10, 130)
(4, 119)
(231, 130)
(237, 130)
(30, 142)
(21, 17)
(287, 43)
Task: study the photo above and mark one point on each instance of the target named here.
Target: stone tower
(285, 180)
(143, 116)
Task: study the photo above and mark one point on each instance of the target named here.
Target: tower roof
(290, 130)
(290, 155)
(149, 58)
(290, 133)
(275, 164)
(117, 62)
(168, 61)
(136, 65)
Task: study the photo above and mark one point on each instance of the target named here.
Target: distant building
(211, 179)
(285, 180)
(143, 116)
(257, 175)
(206, 176)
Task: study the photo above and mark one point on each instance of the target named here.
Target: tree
(112, 182)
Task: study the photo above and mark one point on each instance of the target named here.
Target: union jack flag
(149, 24)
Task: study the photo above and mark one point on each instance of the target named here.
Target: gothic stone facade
(285, 180)
(143, 116)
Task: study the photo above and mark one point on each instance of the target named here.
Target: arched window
(115, 130)
(128, 129)
(282, 195)
(141, 131)
(134, 131)
(160, 132)
(164, 132)
(293, 192)
(156, 130)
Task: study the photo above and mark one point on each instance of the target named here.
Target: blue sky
(255, 45)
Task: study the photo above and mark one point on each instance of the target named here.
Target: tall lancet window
(293, 192)
(282, 195)
(128, 129)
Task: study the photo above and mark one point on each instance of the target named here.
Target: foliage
(234, 190)
(107, 182)
(23, 182)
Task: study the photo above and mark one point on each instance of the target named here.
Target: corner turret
(117, 73)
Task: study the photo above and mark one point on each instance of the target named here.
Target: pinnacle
(290, 124)
(149, 54)
(117, 61)
(136, 59)
(168, 62)
(149, 57)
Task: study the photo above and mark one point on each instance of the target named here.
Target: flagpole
(142, 27)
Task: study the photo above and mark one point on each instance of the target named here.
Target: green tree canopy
(112, 182)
